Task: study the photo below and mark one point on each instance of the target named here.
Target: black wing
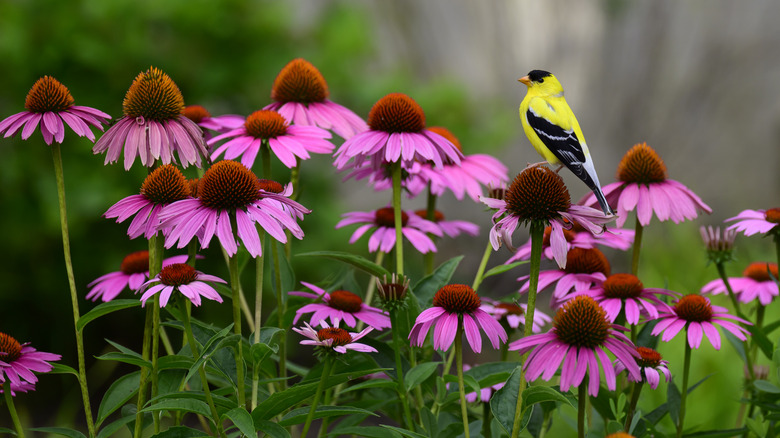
(562, 143)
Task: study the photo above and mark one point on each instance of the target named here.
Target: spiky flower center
(154, 96)
(271, 186)
(393, 289)
(196, 113)
(622, 286)
(396, 112)
(164, 185)
(773, 215)
(648, 357)
(299, 81)
(587, 261)
(581, 322)
(437, 215)
(48, 94)
(265, 124)
(568, 234)
(192, 187)
(178, 274)
(537, 193)
(228, 185)
(10, 348)
(444, 132)
(641, 164)
(497, 193)
(135, 263)
(457, 298)
(384, 217)
(510, 308)
(339, 336)
(759, 271)
(345, 301)
(693, 308)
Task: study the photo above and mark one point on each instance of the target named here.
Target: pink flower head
(514, 314)
(21, 387)
(644, 187)
(183, 278)
(585, 268)
(203, 118)
(19, 361)
(300, 94)
(229, 191)
(758, 281)
(625, 292)
(132, 274)
(451, 228)
(580, 338)
(651, 366)
(695, 313)
(396, 133)
(539, 194)
(337, 339)
(270, 129)
(163, 186)
(50, 102)
(450, 303)
(383, 222)
(153, 126)
(756, 221)
(340, 305)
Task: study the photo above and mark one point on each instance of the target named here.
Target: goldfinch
(554, 132)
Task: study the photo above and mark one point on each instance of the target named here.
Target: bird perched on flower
(554, 132)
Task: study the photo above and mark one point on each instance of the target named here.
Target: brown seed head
(568, 234)
(581, 322)
(154, 96)
(648, 357)
(641, 164)
(773, 215)
(196, 113)
(457, 298)
(384, 217)
(271, 186)
(339, 336)
(345, 300)
(265, 124)
(178, 274)
(444, 132)
(228, 185)
(622, 286)
(537, 193)
(693, 308)
(135, 263)
(587, 261)
(510, 308)
(48, 94)
(299, 81)
(164, 185)
(437, 215)
(396, 112)
(759, 271)
(10, 348)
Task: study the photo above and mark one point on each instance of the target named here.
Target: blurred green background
(698, 93)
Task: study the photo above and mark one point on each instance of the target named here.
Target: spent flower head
(719, 247)
(392, 291)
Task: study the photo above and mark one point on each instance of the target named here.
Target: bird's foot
(529, 165)
(559, 168)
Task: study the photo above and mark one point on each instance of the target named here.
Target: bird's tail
(602, 201)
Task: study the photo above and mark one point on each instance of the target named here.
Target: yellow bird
(554, 132)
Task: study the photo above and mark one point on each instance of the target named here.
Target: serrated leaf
(243, 421)
(428, 285)
(70, 433)
(418, 374)
(500, 269)
(105, 309)
(298, 416)
(271, 429)
(117, 395)
(355, 260)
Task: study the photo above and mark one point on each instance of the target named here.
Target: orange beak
(526, 80)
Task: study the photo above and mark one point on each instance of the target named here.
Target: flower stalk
(632, 405)
(397, 346)
(399, 246)
(482, 265)
(430, 214)
(235, 289)
(459, 365)
(582, 399)
(9, 401)
(327, 366)
(280, 310)
(684, 392)
(637, 247)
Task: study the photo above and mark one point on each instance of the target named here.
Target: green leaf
(673, 401)
(723, 433)
(117, 395)
(60, 431)
(180, 432)
(504, 402)
(736, 343)
(175, 361)
(766, 386)
(470, 383)
(373, 383)
(418, 374)
(500, 269)
(58, 368)
(243, 421)
(287, 275)
(430, 284)
(271, 429)
(261, 351)
(538, 394)
(355, 260)
(268, 334)
(132, 359)
(219, 340)
(760, 339)
(181, 404)
(115, 426)
(7, 430)
(298, 416)
(105, 309)
(404, 432)
(368, 432)
(489, 374)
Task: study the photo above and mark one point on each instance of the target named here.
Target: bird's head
(542, 83)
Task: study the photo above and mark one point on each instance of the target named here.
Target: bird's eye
(541, 80)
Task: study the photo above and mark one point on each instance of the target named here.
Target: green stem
(684, 392)
(144, 378)
(537, 235)
(239, 355)
(9, 401)
(280, 310)
(259, 274)
(380, 256)
(60, 178)
(201, 371)
(399, 370)
(777, 245)
(459, 365)
(632, 405)
(482, 265)
(448, 363)
(430, 214)
(732, 295)
(637, 247)
(320, 389)
(582, 398)
(156, 250)
(399, 243)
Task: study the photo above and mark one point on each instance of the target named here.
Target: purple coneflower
(585, 268)
(451, 228)
(269, 128)
(153, 126)
(651, 366)
(163, 186)
(229, 191)
(183, 278)
(513, 314)
(695, 313)
(132, 273)
(758, 281)
(18, 362)
(627, 293)
(449, 304)
(539, 193)
(340, 305)
(752, 222)
(334, 338)
(581, 333)
(50, 102)
(382, 221)
(203, 118)
(300, 94)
